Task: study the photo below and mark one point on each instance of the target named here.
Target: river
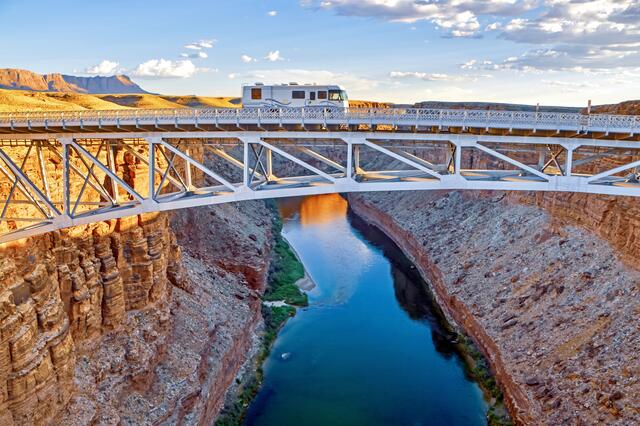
(368, 350)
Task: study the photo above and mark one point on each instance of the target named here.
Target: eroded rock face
(552, 305)
(110, 324)
(63, 291)
(615, 219)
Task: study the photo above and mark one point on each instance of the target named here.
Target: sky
(553, 52)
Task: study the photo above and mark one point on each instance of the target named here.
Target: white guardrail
(392, 116)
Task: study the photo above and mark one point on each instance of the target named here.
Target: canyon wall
(140, 320)
(550, 303)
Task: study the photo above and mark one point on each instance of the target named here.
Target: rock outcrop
(550, 304)
(63, 292)
(27, 80)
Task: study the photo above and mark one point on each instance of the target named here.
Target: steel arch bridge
(59, 170)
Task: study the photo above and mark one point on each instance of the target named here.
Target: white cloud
(575, 58)
(201, 44)
(248, 59)
(592, 34)
(594, 22)
(163, 68)
(105, 67)
(272, 13)
(274, 56)
(571, 86)
(423, 76)
(195, 55)
(458, 18)
(435, 76)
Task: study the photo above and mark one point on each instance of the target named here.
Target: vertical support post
(356, 158)
(269, 164)
(152, 168)
(245, 162)
(111, 163)
(458, 159)
(66, 192)
(187, 170)
(349, 160)
(568, 168)
(541, 157)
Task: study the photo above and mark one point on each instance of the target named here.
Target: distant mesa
(16, 79)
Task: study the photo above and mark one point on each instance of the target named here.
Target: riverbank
(520, 288)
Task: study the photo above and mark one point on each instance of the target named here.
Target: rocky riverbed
(552, 306)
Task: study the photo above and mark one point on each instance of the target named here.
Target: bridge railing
(422, 116)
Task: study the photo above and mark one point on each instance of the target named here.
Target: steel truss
(58, 181)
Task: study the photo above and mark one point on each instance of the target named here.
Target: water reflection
(317, 228)
(314, 210)
(411, 291)
(369, 349)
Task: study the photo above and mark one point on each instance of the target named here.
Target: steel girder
(51, 182)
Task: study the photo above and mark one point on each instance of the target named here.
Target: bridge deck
(455, 121)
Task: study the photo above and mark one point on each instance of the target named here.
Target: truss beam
(84, 163)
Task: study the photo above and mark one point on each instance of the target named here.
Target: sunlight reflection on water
(319, 219)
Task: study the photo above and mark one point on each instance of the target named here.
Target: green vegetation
(477, 367)
(285, 271)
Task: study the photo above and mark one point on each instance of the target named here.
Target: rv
(293, 95)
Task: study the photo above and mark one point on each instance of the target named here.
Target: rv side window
(298, 94)
(322, 95)
(312, 96)
(256, 94)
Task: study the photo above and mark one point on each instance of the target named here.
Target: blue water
(368, 350)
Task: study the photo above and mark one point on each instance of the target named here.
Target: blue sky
(552, 52)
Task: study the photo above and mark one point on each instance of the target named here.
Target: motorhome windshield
(337, 95)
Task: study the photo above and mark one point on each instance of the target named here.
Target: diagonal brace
(511, 161)
(401, 158)
(613, 171)
(27, 182)
(311, 153)
(297, 161)
(106, 170)
(197, 165)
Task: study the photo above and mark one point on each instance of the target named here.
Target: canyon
(149, 319)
